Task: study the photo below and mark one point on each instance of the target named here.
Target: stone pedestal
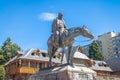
(64, 72)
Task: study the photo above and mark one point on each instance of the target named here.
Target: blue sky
(28, 22)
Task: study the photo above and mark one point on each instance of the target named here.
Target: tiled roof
(41, 57)
(28, 55)
(80, 55)
(76, 54)
(101, 66)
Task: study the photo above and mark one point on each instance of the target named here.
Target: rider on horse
(58, 28)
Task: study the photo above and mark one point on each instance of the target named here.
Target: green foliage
(94, 52)
(1, 57)
(2, 72)
(2, 61)
(8, 50)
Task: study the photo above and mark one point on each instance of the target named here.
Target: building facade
(116, 45)
(106, 45)
(25, 64)
(101, 67)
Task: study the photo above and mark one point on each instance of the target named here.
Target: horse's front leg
(63, 51)
(69, 52)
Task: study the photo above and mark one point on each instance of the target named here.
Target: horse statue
(66, 41)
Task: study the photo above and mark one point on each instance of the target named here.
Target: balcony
(23, 70)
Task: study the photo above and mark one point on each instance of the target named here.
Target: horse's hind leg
(63, 50)
(68, 60)
(50, 58)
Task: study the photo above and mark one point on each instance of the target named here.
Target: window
(43, 54)
(116, 52)
(33, 64)
(24, 64)
(54, 56)
(32, 54)
(117, 37)
(113, 38)
(40, 66)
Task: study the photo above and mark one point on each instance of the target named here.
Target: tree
(15, 48)
(1, 57)
(9, 49)
(94, 52)
(2, 72)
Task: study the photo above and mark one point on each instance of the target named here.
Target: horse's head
(87, 33)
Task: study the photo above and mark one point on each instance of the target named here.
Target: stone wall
(65, 75)
(52, 76)
(108, 77)
(65, 72)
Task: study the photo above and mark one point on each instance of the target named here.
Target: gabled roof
(14, 58)
(75, 53)
(80, 55)
(100, 66)
(28, 55)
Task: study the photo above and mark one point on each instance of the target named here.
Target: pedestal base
(64, 72)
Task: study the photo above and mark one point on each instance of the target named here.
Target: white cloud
(47, 16)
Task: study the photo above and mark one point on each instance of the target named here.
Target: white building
(106, 45)
(116, 45)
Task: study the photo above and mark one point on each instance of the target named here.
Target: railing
(28, 70)
(23, 70)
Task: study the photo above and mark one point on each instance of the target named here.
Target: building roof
(106, 34)
(42, 56)
(28, 55)
(80, 55)
(14, 58)
(114, 63)
(100, 66)
(75, 53)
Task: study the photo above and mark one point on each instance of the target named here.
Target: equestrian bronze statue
(65, 38)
